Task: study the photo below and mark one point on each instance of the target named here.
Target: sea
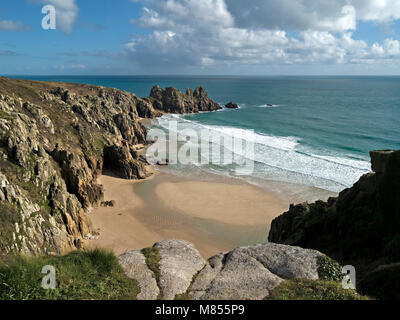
(306, 130)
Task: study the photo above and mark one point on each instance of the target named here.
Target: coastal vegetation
(80, 275)
(302, 289)
(153, 258)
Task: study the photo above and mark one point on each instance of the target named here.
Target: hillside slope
(55, 139)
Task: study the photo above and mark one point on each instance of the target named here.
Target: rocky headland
(55, 140)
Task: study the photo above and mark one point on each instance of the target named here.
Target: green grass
(153, 258)
(301, 289)
(80, 275)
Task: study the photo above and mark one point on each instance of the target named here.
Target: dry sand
(214, 215)
(235, 204)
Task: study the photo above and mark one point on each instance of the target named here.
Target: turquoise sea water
(318, 131)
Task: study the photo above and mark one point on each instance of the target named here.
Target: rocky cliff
(174, 101)
(55, 139)
(360, 227)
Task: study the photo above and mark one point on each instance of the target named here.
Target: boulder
(110, 203)
(242, 277)
(231, 105)
(206, 276)
(253, 272)
(244, 273)
(134, 264)
(180, 262)
(287, 262)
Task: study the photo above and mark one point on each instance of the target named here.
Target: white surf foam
(282, 158)
(269, 106)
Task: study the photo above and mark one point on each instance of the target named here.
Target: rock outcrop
(244, 273)
(172, 100)
(134, 264)
(55, 139)
(180, 262)
(231, 105)
(360, 227)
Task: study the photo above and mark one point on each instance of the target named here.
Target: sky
(201, 37)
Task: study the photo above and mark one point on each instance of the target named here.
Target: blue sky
(201, 37)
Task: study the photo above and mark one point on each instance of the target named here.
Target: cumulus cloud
(380, 11)
(322, 15)
(9, 25)
(217, 32)
(389, 49)
(66, 13)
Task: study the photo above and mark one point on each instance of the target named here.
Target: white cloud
(183, 13)
(9, 25)
(389, 49)
(231, 32)
(322, 15)
(66, 13)
(380, 11)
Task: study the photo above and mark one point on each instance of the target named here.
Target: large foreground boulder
(243, 273)
(134, 264)
(180, 262)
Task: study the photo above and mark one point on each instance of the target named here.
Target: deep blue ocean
(318, 131)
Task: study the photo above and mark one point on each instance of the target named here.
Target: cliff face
(360, 227)
(55, 139)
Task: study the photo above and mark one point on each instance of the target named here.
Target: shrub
(329, 269)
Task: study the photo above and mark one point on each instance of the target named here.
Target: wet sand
(216, 215)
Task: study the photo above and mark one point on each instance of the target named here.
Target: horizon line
(200, 75)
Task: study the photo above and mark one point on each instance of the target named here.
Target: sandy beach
(216, 215)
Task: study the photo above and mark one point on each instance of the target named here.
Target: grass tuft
(153, 259)
(80, 275)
